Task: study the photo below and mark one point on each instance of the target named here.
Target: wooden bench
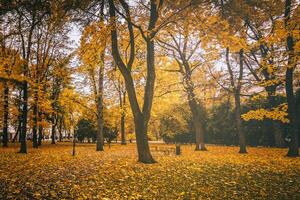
(163, 150)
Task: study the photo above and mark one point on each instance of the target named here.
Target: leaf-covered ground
(220, 173)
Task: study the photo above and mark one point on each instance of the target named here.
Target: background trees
(226, 71)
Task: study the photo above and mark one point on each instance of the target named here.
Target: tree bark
(60, 128)
(23, 147)
(35, 120)
(122, 104)
(275, 126)
(237, 97)
(5, 114)
(53, 130)
(241, 133)
(40, 130)
(198, 125)
(100, 138)
(144, 154)
(141, 117)
(236, 87)
(293, 145)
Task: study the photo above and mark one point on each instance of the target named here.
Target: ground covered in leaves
(51, 172)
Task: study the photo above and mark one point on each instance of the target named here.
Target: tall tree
(289, 89)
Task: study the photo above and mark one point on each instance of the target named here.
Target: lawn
(51, 172)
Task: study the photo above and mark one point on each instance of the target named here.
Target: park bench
(163, 150)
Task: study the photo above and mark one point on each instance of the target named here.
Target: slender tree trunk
(100, 138)
(35, 120)
(23, 147)
(53, 130)
(40, 130)
(5, 114)
(123, 135)
(60, 128)
(237, 99)
(122, 104)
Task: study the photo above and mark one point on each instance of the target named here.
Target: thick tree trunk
(200, 144)
(141, 117)
(142, 141)
(293, 145)
(198, 125)
(5, 115)
(23, 147)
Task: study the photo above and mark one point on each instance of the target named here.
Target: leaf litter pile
(51, 172)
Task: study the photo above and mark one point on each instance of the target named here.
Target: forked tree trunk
(141, 116)
(236, 87)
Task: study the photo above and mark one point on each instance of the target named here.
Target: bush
(85, 129)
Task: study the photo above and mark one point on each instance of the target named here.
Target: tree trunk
(142, 141)
(241, 133)
(293, 145)
(279, 141)
(122, 104)
(53, 130)
(198, 125)
(35, 120)
(141, 117)
(60, 128)
(275, 125)
(123, 135)
(40, 131)
(100, 139)
(200, 144)
(23, 133)
(5, 114)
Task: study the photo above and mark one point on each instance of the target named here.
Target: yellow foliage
(220, 173)
(278, 113)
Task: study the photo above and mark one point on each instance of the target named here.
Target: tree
(92, 54)
(289, 89)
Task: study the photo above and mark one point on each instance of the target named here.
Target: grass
(51, 172)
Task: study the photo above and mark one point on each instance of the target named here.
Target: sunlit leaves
(52, 173)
